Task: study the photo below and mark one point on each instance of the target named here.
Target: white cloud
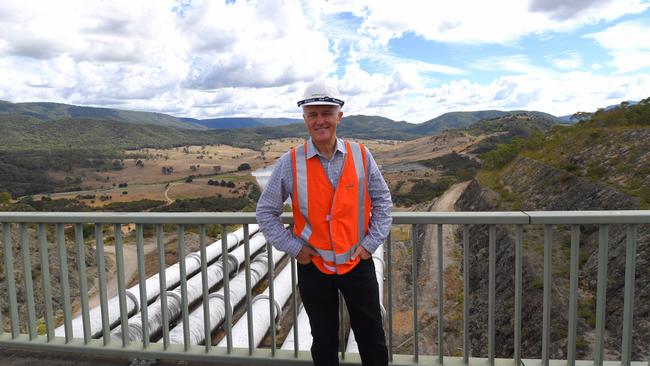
(566, 60)
(518, 64)
(253, 58)
(466, 21)
(628, 44)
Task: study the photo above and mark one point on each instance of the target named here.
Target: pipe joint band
(219, 295)
(135, 301)
(278, 308)
(196, 256)
(235, 263)
(175, 295)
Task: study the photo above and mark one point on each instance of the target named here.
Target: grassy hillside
(357, 126)
(241, 122)
(29, 148)
(58, 111)
(27, 134)
(454, 120)
(507, 127)
(461, 120)
(612, 147)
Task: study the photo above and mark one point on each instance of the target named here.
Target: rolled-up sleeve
(270, 205)
(382, 205)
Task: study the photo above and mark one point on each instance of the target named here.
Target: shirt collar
(312, 151)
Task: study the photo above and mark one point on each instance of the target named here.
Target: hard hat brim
(321, 101)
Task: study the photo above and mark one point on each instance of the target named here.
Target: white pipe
(194, 292)
(304, 333)
(258, 269)
(260, 309)
(172, 279)
(378, 259)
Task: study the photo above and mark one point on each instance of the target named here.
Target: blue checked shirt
(280, 186)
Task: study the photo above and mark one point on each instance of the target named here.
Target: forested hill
(26, 134)
(241, 122)
(356, 126)
(611, 147)
(461, 120)
(57, 111)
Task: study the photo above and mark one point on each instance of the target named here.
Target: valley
(501, 163)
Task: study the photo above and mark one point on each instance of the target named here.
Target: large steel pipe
(194, 292)
(304, 334)
(261, 312)
(258, 269)
(172, 279)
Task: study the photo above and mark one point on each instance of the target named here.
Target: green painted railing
(26, 336)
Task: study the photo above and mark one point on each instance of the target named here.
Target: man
(341, 209)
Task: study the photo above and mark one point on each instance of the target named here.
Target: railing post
(183, 272)
(546, 319)
(143, 285)
(83, 281)
(294, 304)
(573, 295)
(101, 273)
(11, 280)
(441, 295)
(207, 327)
(466, 349)
(519, 242)
(121, 285)
(389, 284)
(226, 287)
(27, 278)
(249, 311)
(491, 291)
(628, 309)
(601, 293)
(65, 283)
(162, 285)
(45, 272)
(414, 270)
(272, 314)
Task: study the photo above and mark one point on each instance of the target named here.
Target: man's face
(321, 121)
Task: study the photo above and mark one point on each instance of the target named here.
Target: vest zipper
(336, 189)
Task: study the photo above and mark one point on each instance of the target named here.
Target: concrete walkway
(22, 357)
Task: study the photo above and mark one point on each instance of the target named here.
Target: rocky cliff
(531, 185)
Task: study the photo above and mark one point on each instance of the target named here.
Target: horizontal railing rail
(50, 228)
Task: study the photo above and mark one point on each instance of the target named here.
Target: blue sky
(409, 60)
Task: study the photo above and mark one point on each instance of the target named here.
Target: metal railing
(516, 222)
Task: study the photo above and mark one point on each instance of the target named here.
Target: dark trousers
(319, 293)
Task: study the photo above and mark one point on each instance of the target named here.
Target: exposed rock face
(37, 279)
(539, 187)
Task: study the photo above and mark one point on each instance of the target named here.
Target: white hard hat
(321, 92)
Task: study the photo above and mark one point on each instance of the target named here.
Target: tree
(5, 197)
(244, 166)
(580, 116)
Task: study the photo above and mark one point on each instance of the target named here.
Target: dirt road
(429, 279)
(427, 283)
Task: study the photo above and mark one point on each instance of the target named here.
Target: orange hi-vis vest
(332, 220)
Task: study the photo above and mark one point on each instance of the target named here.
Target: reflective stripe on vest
(329, 257)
